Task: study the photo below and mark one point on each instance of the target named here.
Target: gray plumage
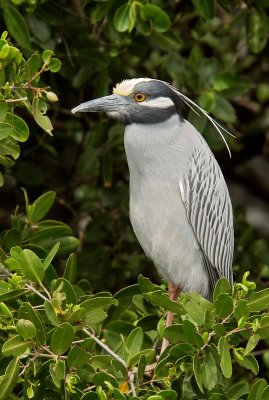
(180, 207)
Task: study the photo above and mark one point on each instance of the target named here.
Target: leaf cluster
(58, 338)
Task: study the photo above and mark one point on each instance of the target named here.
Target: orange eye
(139, 97)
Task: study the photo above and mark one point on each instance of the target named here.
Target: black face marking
(154, 89)
(139, 114)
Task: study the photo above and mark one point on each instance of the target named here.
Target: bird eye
(139, 97)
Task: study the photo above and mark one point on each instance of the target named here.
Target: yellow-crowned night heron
(180, 207)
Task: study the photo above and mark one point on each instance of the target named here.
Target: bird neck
(147, 138)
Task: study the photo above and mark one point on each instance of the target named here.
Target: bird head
(145, 101)
(142, 100)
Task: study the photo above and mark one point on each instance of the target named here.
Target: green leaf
(257, 29)
(62, 338)
(8, 383)
(26, 311)
(100, 379)
(57, 372)
(9, 147)
(224, 110)
(4, 51)
(11, 295)
(3, 110)
(248, 361)
(161, 299)
(31, 67)
(206, 8)
(263, 331)
(1, 179)
(67, 289)
(241, 310)
(238, 390)
(46, 56)
(125, 295)
(5, 310)
(148, 353)
(14, 346)
(145, 285)
(223, 305)
(71, 268)
(196, 308)
(12, 238)
(20, 130)
(224, 81)
(252, 343)
(96, 308)
(257, 389)
(197, 369)
(51, 314)
(26, 329)
(16, 26)
(133, 344)
(141, 366)
(41, 206)
(121, 18)
(225, 357)
(191, 333)
(222, 286)
(160, 21)
(209, 370)
(77, 357)
(259, 301)
(5, 130)
(132, 17)
(100, 11)
(51, 256)
(181, 350)
(32, 266)
(207, 101)
(49, 229)
(39, 109)
(68, 244)
(265, 394)
(174, 333)
(55, 65)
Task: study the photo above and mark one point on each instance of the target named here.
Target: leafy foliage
(60, 339)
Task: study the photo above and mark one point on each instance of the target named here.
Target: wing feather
(209, 211)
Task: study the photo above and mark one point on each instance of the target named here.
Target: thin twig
(104, 346)
(46, 355)
(131, 376)
(15, 100)
(48, 294)
(211, 334)
(30, 287)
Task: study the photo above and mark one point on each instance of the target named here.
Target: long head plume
(194, 107)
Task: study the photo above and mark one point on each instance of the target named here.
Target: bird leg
(173, 292)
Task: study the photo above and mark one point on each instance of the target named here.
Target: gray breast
(158, 158)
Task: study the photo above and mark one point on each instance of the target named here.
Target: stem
(131, 376)
(237, 330)
(211, 334)
(30, 287)
(15, 100)
(104, 346)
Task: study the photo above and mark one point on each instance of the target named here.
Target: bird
(180, 208)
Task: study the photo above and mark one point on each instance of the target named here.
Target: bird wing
(209, 211)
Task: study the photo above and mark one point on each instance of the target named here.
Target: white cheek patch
(160, 102)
